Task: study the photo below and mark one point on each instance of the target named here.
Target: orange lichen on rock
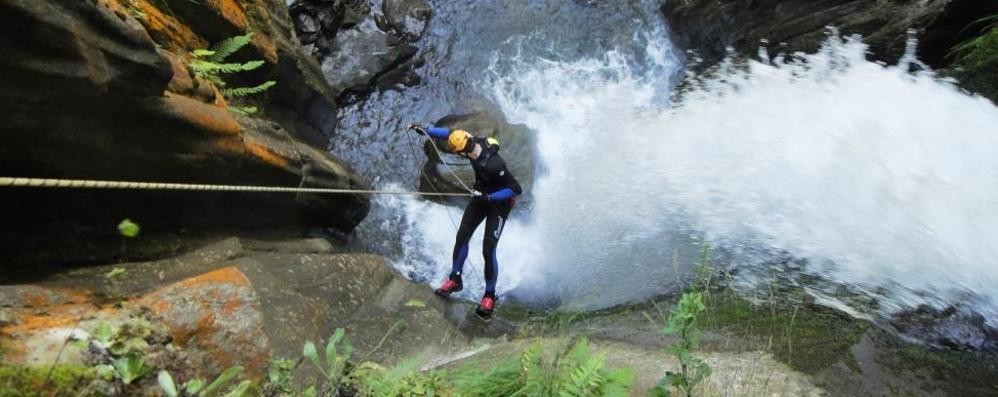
(264, 153)
(52, 317)
(228, 275)
(231, 11)
(217, 313)
(249, 146)
(203, 116)
(164, 29)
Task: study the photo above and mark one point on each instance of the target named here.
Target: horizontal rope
(98, 184)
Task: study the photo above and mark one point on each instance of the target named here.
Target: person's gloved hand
(479, 197)
(417, 128)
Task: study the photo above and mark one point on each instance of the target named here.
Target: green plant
(404, 379)
(501, 379)
(128, 228)
(682, 321)
(210, 64)
(981, 50)
(279, 377)
(577, 373)
(58, 381)
(335, 359)
(196, 387)
(130, 368)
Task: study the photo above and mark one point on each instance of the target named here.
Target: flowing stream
(882, 181)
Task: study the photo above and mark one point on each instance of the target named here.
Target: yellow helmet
(459, 141)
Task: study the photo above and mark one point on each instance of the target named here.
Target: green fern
(503, 379)
(210, 65)
(229, 46)
(214, 68)
(245, 91)
(577, 373)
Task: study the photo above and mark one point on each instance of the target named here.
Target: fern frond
(202, 53)
(229, 46)
(585, 380)
(531, 372)
(618, 383)
(243, 110)
(501, 380)
(244, 91)
(207, 67)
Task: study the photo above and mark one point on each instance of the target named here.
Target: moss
(808, 338)
(977, 59)
(964, 372)
(850, 361)
(65, 380)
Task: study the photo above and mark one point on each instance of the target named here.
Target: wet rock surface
(361, 46)
(226, 304)
(360, 55)
(948, 328)
(710, 26)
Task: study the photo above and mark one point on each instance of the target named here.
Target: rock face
(711, 25)
(516, 147)
(98, 89)
(361, 46)
(236, 302)
(949, 328)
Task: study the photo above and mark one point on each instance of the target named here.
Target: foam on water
(886, 181)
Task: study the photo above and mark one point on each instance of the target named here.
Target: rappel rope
(132, 185)
(447, 166)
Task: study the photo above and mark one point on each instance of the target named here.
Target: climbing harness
(103, 184)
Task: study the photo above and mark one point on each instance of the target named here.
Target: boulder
(406, 18)
(360, 55)
(235, 303)
(516, 143)
(950, 328)
(709, 26)
(86, 89)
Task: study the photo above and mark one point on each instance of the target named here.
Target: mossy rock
(61, 380)
(809, 338)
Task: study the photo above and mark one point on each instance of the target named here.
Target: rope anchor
(103, 184)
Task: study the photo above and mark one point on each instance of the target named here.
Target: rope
(99, 184)
(441, 157)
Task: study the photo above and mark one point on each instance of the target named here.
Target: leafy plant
(128, 228)
(404, 379)
(682, 321)
(102, 335)
(196, 387)
(335, 359)
(130, 368)
(115, 273)
(576, 373)
(502, 379)
(279, 377)
(210, 64)
(981, 50)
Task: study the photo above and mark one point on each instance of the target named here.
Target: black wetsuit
(499, 187)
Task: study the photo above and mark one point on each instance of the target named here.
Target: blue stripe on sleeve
(438, 132)
(501, 195)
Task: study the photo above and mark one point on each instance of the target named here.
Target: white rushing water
(885, 181)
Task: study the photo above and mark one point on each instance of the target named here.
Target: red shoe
(485, 308)
(449, 287)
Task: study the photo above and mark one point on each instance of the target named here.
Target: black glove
(418, 128)
(479, 197)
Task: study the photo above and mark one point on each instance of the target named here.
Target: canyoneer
(493, 197)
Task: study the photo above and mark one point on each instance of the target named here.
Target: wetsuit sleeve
(512, 186)
(438, 132)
